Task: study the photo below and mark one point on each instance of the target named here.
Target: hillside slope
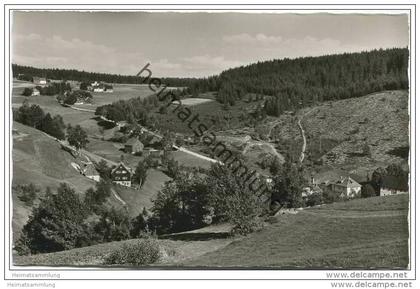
(39, 159)
(364, 131)
(363, 233)
(356, 135)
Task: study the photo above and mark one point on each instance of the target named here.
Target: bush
(27, 193)
(27, 91)
(143, 252)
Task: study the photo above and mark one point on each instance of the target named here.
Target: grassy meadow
(363, 233)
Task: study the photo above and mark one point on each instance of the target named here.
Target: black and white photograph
(171, 140)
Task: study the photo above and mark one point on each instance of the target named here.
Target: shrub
(142, 252)
(27, 193)
(27, 91)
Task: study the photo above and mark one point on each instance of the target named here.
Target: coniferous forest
(294, 83)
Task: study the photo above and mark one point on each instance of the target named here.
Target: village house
(309, 191)
(90, 172)
(100, 87)
(35, 92)
(133, 146)
(121, 175)
(39, 80)
(346, 187)
(392, 185)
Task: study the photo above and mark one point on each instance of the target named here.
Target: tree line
(288, 83)
(34, 116)
(294, 83)
(27, 72)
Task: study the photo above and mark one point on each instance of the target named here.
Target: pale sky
(191, 44)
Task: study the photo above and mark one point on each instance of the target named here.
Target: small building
(309, 191)
(39, 80)
(393, 185)
(133, 146)
(100, 87)
(121, 175)
(35, 92)
(121, 124)
(90, 172)
(346, 187)
(154, 153)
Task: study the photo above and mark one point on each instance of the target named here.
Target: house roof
(133, 141)
(90, 170)
(348, 182)
(123, 165)
(395, 183)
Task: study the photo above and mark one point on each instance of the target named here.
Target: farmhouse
(133, 146)
(39, 80)
(121, 175)
(90, 172)
(35, 92)
(100, 87)
(346, 187)
(393, 185)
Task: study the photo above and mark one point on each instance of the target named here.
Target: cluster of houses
(347, 187)
(122, 174)
(100, 87)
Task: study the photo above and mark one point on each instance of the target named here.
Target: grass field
(195, 101)
(120, 92)
(138, 199)
(363, 233)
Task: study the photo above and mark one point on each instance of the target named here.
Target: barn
(133, 146)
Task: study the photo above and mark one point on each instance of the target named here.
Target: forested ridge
(84, 76)
(293, 83)
(286, 83)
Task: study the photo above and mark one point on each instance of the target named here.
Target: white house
(35, 92)
(39, 80)
(392, 185)
(346, 187)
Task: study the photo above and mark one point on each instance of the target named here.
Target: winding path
(302, 131)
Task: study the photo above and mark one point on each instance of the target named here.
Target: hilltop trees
(53, 126)
(295, 83)
(77, 137)
(34, 116)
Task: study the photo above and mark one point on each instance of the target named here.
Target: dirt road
(302, 154)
